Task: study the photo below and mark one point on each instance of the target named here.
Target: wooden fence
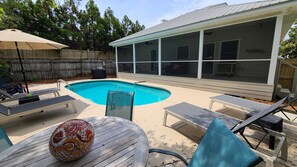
(51, 64)
(64, 54)
(288, 73)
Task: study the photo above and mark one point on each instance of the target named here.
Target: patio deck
(179, 138)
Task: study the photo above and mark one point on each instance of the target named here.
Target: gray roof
(204, 14)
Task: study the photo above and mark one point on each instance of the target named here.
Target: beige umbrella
(16, 39)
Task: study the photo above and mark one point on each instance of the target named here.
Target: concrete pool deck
(179, 138)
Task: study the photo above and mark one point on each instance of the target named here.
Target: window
(146, 57)
(208, 54)
(208, 51)
(154, 55)
(154, 66)
(229, 50)
(182, 53)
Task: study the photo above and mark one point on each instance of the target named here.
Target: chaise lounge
(9, 97)
(36, 106)
(248, 105)
(251, 108)
(202, 118)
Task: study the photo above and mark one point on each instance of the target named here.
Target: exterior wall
(255, 38)
(145, 62)
(169, 53)
(245, 89)
(143, 50)
(255, 42)
(251, 65)
(169, 46)
(125, 54)
(125, 59)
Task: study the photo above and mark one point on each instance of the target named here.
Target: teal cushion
(4, 140)
(221, 148)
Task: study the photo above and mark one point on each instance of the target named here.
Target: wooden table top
(118, 142)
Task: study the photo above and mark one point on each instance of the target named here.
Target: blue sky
(151, 12)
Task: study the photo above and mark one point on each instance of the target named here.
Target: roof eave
(272, 10)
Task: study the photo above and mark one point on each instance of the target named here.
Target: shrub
(5, 73)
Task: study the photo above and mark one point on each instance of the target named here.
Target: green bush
(5, 73)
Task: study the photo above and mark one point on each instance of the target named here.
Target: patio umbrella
(16, 39)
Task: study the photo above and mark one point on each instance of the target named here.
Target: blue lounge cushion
(221, 148)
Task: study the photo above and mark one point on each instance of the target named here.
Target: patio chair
(4, 140)
(5, 96)
(31, 107)
(11, 88)
(248, 105)
(201, 118)
(120, 104)
(219, 148)
(251, 108)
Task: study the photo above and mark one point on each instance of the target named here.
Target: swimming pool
(96, 91)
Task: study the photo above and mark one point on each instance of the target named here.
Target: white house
(222, 48)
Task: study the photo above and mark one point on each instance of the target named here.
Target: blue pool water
(96, 91)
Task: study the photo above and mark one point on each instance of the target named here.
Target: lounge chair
(219, 148)
(271, 121)
(4, 140)
(11, 88)
(120, 104)
(10, 97)
(248, 105)
(199, 117)
(37, 106)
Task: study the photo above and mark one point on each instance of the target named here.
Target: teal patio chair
(219, 148)
(120, 104)
(4, 140)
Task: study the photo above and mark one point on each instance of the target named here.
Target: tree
(1, 12)
(65, 23)
(90, 25)
(137, 27)
(1, 15)
(11, 17)
(288, 48)
(66, 18)
(127, 25)
(113, 29)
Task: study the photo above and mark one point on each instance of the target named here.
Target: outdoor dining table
(117, 142)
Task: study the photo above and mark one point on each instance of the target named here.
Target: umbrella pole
(23, 72)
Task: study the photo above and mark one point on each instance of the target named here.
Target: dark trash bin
(98, 73)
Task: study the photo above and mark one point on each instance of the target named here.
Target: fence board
(58, 54)
(54, 64)
(286, 75)
(54, 69)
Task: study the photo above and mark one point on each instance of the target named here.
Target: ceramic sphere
(71, 140)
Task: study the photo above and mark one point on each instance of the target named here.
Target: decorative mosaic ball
(71, 140)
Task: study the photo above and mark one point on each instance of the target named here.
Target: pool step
(139, 82)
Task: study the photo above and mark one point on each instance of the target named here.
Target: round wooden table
(118, 142)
